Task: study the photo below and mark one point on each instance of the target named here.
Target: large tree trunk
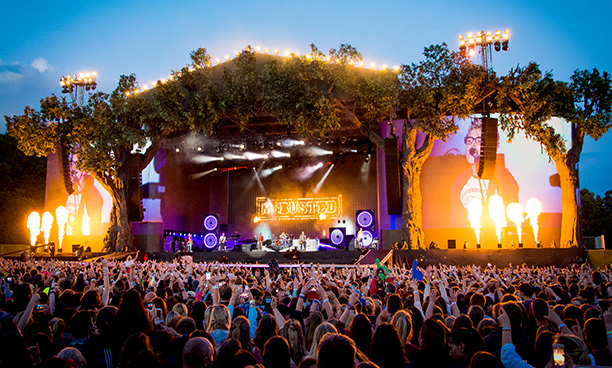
(119, 236)
(570, 235)
(412, 165)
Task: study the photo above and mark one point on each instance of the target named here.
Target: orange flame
(61, 216)
(533, 207)
(497, 212)
(34, 226)
(45, 227)
(515, 214)
(474, 215)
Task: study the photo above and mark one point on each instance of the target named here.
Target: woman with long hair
(320, 331)
(360, 330)
(276, 353)
(132, 317)
(219, 323)
(266, 329)
(240, 330)
(402, 321)
(312, 322)
(387, 349)
(292, 332)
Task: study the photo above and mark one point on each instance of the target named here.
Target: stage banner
(298, 208)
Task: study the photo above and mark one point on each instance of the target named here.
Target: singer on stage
(222, 241)
(468, 187)
(302, 241)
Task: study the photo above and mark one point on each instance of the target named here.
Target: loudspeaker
(452, 244)
(488, 148)
(134, 188)
(211, 231)
(337, 237)
(392, 174)
(365, 221)
(64, 161)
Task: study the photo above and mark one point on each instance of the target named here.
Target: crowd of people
(184, 314)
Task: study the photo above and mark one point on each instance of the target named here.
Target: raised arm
(106, 293)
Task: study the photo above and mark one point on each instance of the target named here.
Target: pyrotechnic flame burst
(515, 214)
(474, 215)
(34, 226)
(497, 212)
(61, 216)
(533, 207)
(45, 227)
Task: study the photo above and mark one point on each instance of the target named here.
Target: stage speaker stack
(488, 149)
(452, 244)
(337, 237)
(211, 232)
(64, 162)
(365, 222)
(134, 188)
(392, 175)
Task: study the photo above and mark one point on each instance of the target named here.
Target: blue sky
(42, 41)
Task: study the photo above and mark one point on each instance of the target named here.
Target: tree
(528, 98)
(596, 214)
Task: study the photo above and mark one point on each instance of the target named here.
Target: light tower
(77, 85)
(486, 41)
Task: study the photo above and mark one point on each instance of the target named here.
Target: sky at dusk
(40, 41)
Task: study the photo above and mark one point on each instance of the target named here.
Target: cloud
(40, 64)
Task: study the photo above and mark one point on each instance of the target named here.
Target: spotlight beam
(320, 183)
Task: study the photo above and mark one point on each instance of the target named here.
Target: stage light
(326, 140)
(461, 43)
(224, 147)
(322, 217)
(256, 219)
(278, 154)
(318, 141)
(242, 146)
(343, 140)
(199, 148)
(271, 145)
(254, 156)
(177, 149)
(217, 148)
(367, 159)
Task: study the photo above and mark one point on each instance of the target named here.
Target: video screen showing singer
(468, 187)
